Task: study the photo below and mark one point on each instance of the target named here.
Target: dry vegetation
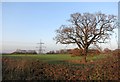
(105, 69)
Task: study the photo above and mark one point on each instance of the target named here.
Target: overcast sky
(25, 24)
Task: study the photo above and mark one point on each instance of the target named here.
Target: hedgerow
(104, 69)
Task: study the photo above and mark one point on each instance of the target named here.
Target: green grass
(53, 58)
(97, 57)
(43, 57)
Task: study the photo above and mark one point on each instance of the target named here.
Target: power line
(40, 47)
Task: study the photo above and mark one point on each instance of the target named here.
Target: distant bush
(93, 52)
(51, 52)
(116, 52)
(107, 51)
(79, 52)
(76, 52)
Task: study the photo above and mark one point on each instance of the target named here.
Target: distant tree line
(79, 52)
(72, 52)
(62, 51)
(19, 51)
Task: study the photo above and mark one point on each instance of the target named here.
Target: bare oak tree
(86, 29)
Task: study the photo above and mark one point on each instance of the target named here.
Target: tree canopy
(86, 29)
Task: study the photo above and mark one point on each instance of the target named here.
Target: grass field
(53, 58)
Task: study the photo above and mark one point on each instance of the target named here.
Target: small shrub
(76, 52)
(107, 51)
(116, 52)
(93, 52)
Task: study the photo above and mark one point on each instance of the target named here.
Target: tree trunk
(84, 60)
(85, 55)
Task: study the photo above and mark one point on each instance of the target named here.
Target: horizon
(25, 24)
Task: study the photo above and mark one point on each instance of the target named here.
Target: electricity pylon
(40, 48)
